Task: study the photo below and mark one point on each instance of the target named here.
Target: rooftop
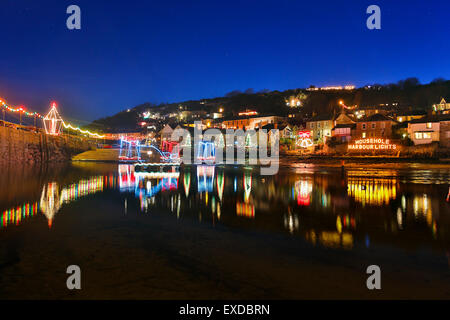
(376, 117)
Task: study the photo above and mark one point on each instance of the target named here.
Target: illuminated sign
(372, 144)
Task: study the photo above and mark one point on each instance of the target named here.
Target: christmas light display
(206, 151)
(130, 150)
(53, 122)
(171, 150)
(304, 139)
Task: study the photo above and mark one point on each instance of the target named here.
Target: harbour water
(204, 232)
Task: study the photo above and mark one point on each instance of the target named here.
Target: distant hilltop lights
(248, 113)
(348, 87)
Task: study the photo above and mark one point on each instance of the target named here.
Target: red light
(304, 134)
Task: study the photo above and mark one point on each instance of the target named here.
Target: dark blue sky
(130, 52)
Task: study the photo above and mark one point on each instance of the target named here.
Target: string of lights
(69, 126)
(19, 109)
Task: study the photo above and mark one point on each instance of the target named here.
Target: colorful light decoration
(220, 184)
(20, 109)
(303, 190)
(205, 178)
(16, 215)
(187, 183)
(52, 121)
(130, 150)
(245, 210)
(304, 139)
(206, 151)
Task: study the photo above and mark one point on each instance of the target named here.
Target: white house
(425, 130)
(166, 133)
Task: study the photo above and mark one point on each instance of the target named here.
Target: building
(343, 126)
(321, 127)
(368, 111)
(324, 126)
(374, 126)
(343, 132)
(166, 133)
(442, 107)
(444, 132)
(246, 123)
(410, 115)
(430, 129)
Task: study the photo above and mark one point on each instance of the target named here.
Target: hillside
(406, 94)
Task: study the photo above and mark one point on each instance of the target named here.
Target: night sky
(130, 52)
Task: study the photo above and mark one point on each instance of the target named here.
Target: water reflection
(52, 198)
(372, 191)
(323, 207)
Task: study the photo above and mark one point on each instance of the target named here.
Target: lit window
(429, 125)
(427, 135)
(363, 135)
(418, 135)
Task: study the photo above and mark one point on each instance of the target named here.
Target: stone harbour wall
(20, 146)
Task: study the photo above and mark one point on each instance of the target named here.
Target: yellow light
(68, 126)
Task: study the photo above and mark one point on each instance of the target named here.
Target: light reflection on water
(324, 206)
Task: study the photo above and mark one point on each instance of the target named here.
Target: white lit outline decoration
(53, 122)
(129, 150)
(304, 139)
